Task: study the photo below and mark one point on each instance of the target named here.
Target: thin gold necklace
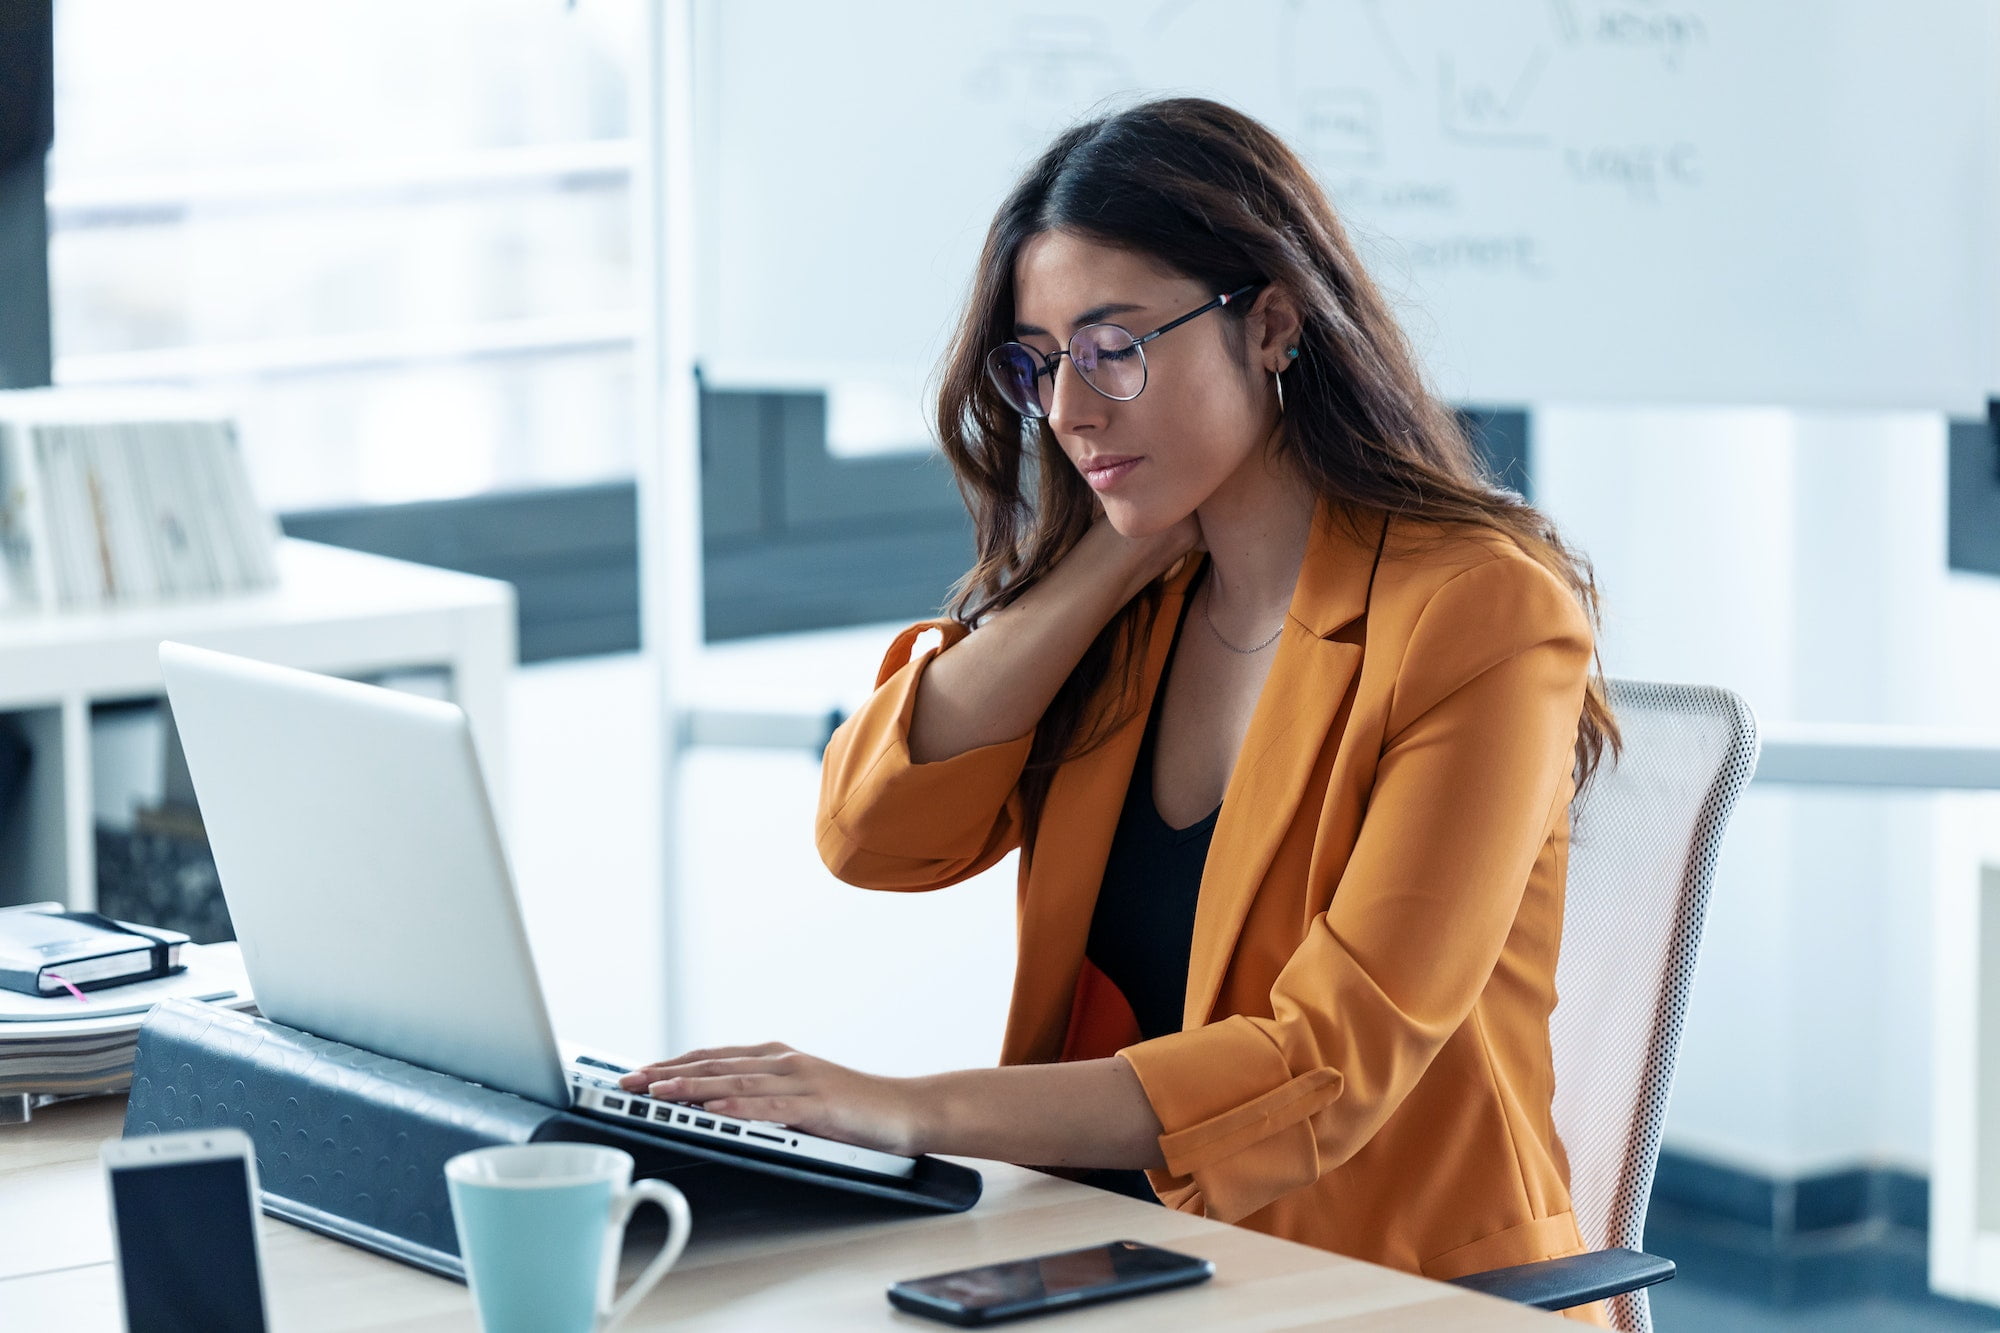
(1206, 615)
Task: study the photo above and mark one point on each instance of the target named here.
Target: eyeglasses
(1107, 357)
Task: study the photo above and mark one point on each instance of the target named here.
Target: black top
(1143, 927)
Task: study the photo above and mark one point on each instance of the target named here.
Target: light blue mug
(540, 1226)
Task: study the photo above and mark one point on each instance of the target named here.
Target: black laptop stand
(353, 1144)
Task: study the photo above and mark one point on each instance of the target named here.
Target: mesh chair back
(1644, 837)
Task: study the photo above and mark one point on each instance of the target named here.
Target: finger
(718, 1060)
(749, 1064)
(716, 1087)
(716, 1053)
(793, 1111)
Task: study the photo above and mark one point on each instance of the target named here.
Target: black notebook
(46, 951)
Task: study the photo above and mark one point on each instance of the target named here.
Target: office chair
(1645, 834)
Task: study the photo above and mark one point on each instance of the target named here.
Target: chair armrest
(1577, 1279)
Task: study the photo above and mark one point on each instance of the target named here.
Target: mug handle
(675, 1204)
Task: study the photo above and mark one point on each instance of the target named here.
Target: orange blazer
(1364, 1062)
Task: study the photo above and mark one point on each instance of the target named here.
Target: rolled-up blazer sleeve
(887, 822)
(1473, 774)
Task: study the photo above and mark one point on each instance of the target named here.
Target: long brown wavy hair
(1215, 196)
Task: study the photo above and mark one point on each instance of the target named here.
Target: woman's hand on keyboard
(774, 1082)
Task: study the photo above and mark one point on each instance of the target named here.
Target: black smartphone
(973, 1297)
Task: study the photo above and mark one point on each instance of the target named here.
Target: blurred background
(632, 304)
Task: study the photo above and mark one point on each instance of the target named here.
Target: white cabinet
(337, 611)
(1963, 769)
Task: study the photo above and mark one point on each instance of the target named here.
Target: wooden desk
(55, 1269)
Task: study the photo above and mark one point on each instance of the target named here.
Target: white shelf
(1964, 771)
(336, 611)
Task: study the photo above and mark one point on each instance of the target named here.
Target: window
(397, 237)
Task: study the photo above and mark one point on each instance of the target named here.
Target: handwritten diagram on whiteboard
(1627, 200)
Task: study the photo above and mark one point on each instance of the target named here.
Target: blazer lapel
(1080, 819)
(1295, 711)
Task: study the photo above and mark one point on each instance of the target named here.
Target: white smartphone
(184, 1223)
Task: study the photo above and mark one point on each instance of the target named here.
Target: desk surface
(55, 1269)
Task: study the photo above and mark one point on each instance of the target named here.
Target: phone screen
(1058, 1279)
(186, 1248)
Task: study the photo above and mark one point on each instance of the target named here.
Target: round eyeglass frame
(998, 371)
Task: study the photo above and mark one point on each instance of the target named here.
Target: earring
(1278, 377)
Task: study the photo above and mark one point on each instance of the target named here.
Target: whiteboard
(1720, 201)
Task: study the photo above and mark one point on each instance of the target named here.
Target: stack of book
(116, 498)
(73, 1044)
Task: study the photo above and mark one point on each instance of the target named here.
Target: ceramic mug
(540, 1227)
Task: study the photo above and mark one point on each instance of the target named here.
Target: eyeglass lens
(1105, 356)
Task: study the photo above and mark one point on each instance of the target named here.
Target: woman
(1283, 703)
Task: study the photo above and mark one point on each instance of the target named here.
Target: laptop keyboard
(638, 1106)
(599, 1091)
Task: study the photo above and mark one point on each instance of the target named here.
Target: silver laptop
(366, 879)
